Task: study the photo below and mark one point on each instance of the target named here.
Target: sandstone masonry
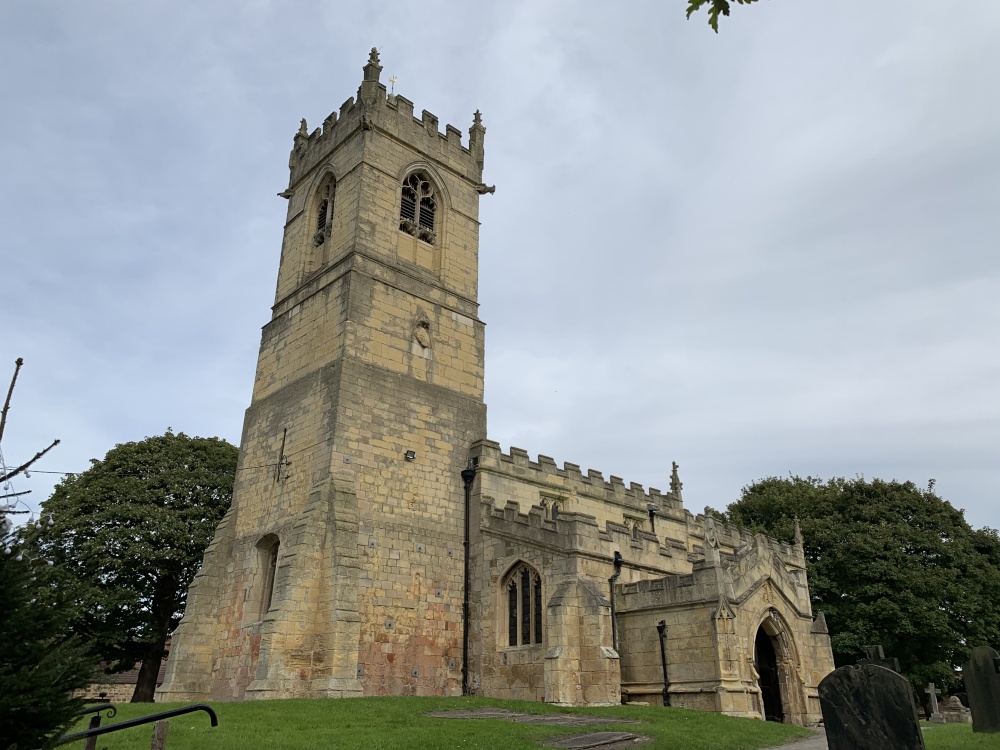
(340, 569)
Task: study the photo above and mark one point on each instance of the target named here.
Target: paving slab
(570, 720)
(556, 720)
(810, 743)
(475, 713)
(591, 739)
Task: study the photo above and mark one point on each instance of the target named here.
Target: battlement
(582, 534)
(742, 542)
(375, 110)
(545, 473)
(603, 515)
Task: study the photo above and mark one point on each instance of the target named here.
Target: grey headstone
(877, 657)
(867, 707)
(982, 684)
(954, 712)
(935, 716)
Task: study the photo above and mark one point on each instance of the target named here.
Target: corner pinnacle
(372, 69)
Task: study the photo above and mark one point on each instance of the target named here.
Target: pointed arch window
(523, 590)
(324, 211)
(418, 207)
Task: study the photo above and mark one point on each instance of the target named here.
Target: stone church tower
(379, 544)
(338, 569)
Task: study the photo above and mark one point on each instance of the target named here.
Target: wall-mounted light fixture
(409, 455)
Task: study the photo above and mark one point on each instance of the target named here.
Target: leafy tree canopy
(889, 563)
(715, 9)
(130, 533)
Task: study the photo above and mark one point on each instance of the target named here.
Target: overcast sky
(765, 251)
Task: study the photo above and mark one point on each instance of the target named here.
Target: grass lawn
(400, 723)
(957, 737)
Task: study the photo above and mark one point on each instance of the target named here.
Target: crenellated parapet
(375, 110)
(569, 480)
(736, 543)
(578, 533)
(576, 511)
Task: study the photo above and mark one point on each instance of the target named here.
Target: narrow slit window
(270, 566)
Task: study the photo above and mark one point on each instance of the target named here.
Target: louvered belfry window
(524, 607)
(324, 208)
(418, 207)
(324, 212)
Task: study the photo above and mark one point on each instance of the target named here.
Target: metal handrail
(149, 719)
(96, 709)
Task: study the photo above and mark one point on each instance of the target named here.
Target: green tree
(715, 9)
(888, 563)
(130, 532)
(41, 661)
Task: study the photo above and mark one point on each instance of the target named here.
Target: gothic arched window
(418, 207)
(523, 596)
(324, 211)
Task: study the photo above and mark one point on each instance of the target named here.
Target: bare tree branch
(6, 404)
(29, 462)
(13, 494)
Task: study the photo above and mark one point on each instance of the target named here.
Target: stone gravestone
(982, 683)
(935, 716)
(877, 657)
(954, 712)
(867, 707)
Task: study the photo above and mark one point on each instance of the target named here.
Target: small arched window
(523, 590)
(418, 207)
(324, 211)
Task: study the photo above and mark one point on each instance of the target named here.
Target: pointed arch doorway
(766, 662)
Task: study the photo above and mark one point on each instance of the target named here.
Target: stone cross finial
(932, 691)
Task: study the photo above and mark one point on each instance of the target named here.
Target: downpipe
(661, 628)
(611, 586)
(468, 475)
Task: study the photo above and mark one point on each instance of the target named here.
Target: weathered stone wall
(374, 349)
